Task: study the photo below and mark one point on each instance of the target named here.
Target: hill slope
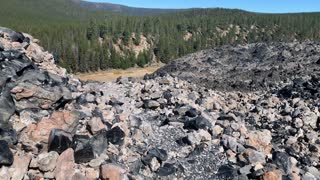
(116, 8)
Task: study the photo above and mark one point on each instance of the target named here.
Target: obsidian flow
(59, 140)
(6, 156)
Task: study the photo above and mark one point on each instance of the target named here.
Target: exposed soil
(112, 75)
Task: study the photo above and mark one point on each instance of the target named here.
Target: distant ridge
(117, 8)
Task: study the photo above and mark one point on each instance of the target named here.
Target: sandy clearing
(111, 75)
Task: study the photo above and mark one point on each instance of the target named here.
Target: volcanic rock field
(234, 112)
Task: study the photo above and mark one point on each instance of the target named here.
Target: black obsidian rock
(59, 140)
(160, 154)
(227, 171)
(9, 135)
(166, 170)
(115, 136)
(282, 160)
(1, 47)
(81, 99)
(99, 142)
(7, 107)
(17, 37)
(192, 112)
(6, 156)
(197, 123)
(83, 150)
(115, 102)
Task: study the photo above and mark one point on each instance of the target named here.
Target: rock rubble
(167, 126)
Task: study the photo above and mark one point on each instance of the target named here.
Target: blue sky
(270, 6)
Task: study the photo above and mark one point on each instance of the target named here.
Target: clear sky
(269, 6)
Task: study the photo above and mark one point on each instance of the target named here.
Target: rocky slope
(53, 126)
(248, 67)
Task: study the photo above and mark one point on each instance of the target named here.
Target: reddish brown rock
(21, 92)
(112, 172)
(65, 165)
(64, 120)
(260, 140)
(91, 174)
(273, 175)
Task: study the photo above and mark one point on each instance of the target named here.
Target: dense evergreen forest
(86, 40)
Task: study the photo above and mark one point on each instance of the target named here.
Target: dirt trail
(111, 75)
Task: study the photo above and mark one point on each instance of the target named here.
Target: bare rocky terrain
(245, 112)
(249, 67)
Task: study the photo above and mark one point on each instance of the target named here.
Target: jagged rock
(112, 172)
(20, 166)
(261, 140)
(231, 143)
(245, 170)
(311, 119)
(65, 165)
(6, 156)
(83, 150)
(99, 142)
(59, 140)
(272, 175)
(135, 121)
(4, 173)
(252, 157)
(227, 171)
(197, 123)
(194, 138)
(160, 154)
(115, 102)
(1, 47)
(47, 161)
(166, 170)
(115, 135)
(192, 112)
(9, 135)
(282, 160)
(79, 176)
(95, 125)
(7, 107)
(91, 173)
(151, 104)
(64, 120)
(154, 164)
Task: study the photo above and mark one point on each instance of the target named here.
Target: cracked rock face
(186, 121)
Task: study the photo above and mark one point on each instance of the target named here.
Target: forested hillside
(86, 40)
(122, 9)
